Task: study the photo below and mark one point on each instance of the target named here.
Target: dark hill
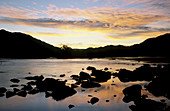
(19, 45)
(158, 46)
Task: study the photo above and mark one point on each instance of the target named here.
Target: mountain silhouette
(19, 45)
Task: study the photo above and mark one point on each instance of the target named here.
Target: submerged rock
(3, 89)
(90, 85)
(71, 106)
(10, 94)
(15, 80)
(94, 100)
(38, 78)
(132, 93)
(22, 93)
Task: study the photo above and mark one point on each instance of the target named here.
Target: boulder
(14, 80)
(94, 100)
(3, 89)
(10, 94)
(22, 93)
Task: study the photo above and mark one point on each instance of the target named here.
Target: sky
(87, 23)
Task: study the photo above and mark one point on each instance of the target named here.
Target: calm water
(53, 68)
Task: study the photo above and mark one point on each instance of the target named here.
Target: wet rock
(71, 106)
(62, 75)
(114, 95)
(14, 85)
(16, 90)
(143, 73)
(27, 87)
(1, 94)
(84, 76)
(101, 76)
(33, 91)
(10, 94)
(132, 93)
(90, 96)
(75, 77)
(91, 68)
(31, 83)
(90, 85)
(106, 68)
(158, 86)
(147, 105)
(107, 100)
(22, 93)
(94, 100)
(48, 94)
(74, 85)
(61, 93)
(38, 78)
(3, 89)
(15, 80)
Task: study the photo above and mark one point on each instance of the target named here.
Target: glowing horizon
(87, 23)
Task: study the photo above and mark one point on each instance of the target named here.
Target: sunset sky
(87, 23)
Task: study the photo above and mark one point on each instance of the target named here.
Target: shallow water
(53, 68)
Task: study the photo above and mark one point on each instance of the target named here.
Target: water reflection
(110, 90)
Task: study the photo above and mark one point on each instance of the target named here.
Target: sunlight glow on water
(52, 68)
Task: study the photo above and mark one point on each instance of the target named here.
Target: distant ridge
(19, 45)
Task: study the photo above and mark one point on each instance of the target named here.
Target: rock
(101, 76)
(147, 105)
(91, 68)
(132, 93)
(75, 77)
(33, 91)
(16, 90)
(90, 85)
(3, 89)
(22, 93)
(107, 100)
(71, 106)
(90, 96)
(84, 76)
(114, 95)
(94, 100)
(38, 78)
(14, 85)
(106, 68)
(27, 87)
(74, 85)
(10, 94)
(1, 94)
(15, 80)
(62, 75)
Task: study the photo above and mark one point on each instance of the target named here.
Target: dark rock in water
(143, 73)
(94, 100)
(14, 85)
(147, 105)
(90, 96)
(114, 95)
(22, 93)
(3, 89)
(84, 76)
(75, 77)
(132, 93)
(38, 78)
(27, 87)
(61, 93)
(50, 84)
(90, 85)
(48, 94)
(74, 86)
(106, 68)
(15, 80)
(16, 90)
(33, 91)
(31, 83)
(62, 75)
(1, 94)
(10, 94)
(107, 100)
(159, 85)
(91, 68)
(71, 106)
(101, 76)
